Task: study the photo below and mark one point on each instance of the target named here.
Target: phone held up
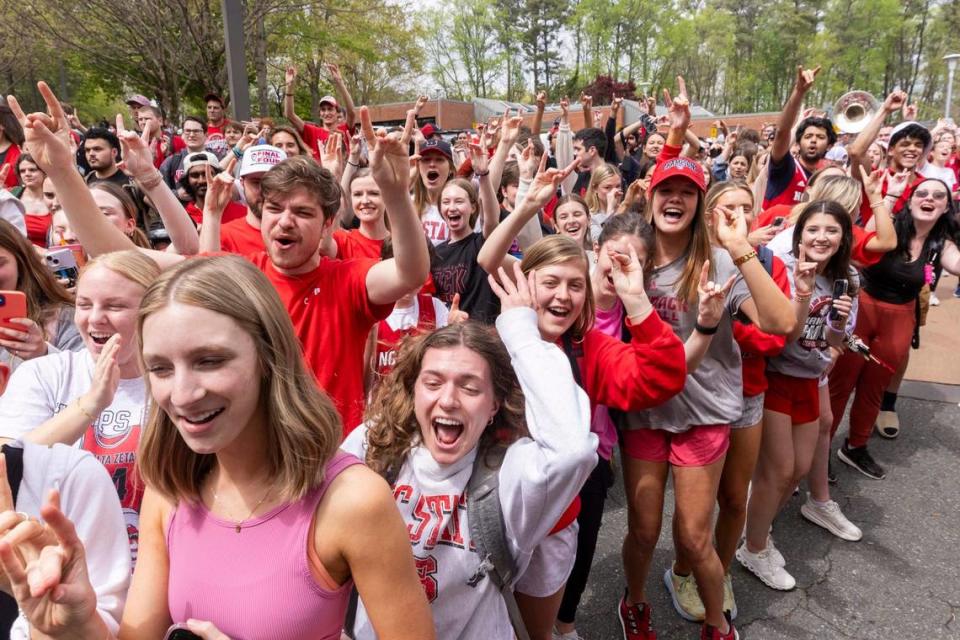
(839, 290)
(13, 304)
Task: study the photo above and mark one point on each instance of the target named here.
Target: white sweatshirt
(538, 480)
(89, 499)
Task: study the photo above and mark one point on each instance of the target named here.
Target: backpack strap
(8, 606)
(488, 533)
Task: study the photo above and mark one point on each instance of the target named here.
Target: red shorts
(699, 446)
(798, 398)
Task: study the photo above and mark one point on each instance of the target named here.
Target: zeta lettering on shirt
(427, 528)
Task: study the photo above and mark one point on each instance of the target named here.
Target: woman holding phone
(47, 326)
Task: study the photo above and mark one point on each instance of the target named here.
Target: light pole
(951, 60)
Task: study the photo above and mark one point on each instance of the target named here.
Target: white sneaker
(934, 300)
(760, 565)
(571, 635)
(775, 556)
(831, 518)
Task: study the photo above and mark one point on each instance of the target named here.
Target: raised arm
(857, 150)
(678, 111)
(710, 307)
(46, 139)
(389, 280)
(353, 164)
(767, 308)
(565, 145)
(538, 118)
(509, 133)
(788, 117)
(494, 252)
(489, 207)
(290, 78)
(881, 220)
(138, 164)
(220, 189)
(411, 122)
(586, 104)
(337, 79)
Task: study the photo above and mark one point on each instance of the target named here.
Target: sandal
(888, 424)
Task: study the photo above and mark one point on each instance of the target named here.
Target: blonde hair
(713, 196)
(132, 264)
(393, 427)
(303, 427)
(122, 195)
(472, 195)
(843, 190)
(557, 249)
(597, 176)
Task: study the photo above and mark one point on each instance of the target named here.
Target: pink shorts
(699, 446)
(798, 398)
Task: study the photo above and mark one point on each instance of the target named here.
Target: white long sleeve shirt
(539, 478)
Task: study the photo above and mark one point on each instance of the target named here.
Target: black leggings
(592, 497)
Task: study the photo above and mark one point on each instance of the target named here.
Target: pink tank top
(255, 584)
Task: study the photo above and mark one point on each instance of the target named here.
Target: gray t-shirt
(713, 392)
(809, 355)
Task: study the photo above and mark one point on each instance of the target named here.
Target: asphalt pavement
(901, 581)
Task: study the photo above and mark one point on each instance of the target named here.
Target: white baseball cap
(260, 158)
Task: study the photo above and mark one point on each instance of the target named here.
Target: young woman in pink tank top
(253, 524)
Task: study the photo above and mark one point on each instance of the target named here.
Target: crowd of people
(267, 380)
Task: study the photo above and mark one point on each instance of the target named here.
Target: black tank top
(894, 280)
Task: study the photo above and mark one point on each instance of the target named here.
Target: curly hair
(392, 427)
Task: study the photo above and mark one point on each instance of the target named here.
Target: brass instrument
(853, 111)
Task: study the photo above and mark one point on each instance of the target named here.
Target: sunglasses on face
(936, 195)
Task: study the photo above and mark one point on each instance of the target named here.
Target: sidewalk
(938, 359)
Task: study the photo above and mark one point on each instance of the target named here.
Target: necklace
(239, 525)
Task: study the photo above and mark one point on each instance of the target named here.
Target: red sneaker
(635, 620)
(712, 633)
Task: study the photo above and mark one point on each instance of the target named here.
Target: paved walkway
(938, 358)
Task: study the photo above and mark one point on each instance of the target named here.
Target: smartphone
(63, 263)
(13, 304)
(180, 632)
(839, 290)
(778, 221)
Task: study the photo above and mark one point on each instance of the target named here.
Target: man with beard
(196, 167)
(788, 175)
(242, 236)
(195, 139)
(102, 152)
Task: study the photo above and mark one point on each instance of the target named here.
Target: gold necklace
(239, 525)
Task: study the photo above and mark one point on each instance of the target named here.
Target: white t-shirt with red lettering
(41, 388)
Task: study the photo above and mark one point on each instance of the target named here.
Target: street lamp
(951, 60)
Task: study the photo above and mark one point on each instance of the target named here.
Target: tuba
(853, 111)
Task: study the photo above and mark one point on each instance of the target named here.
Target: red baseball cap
(428, 130)
(683, 167)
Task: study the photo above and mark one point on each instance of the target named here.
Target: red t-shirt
(767, 215)
(216, 131)
(332, 316)
(866, 212)
(755, 345)
(233, 211)
(13, 153)
(37, 228)
(237, 236)
(313, 135)
(353, 244)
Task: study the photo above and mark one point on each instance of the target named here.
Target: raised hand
(678, 108)
(290, 77)
(910, 112)
(334, 72)
(805, 78)
(479, 160)
(388, 157)
(541, 100)
(711, 297)
(219, 192)
(762, 235)
(510, 129)
(457, 315)
(106, 377)
(613, 199)
(420, 103)
(873, 182)
(627, 274)
(804, 274)
(52, 587)
(731, 227)
(897, 183)
(331, 154)
(545, 184)
(47, 135)
(895, 101)
(519, 292)
(565, 108)
(615, 105)
(586, 100)
(527, 163)
(137, 157)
